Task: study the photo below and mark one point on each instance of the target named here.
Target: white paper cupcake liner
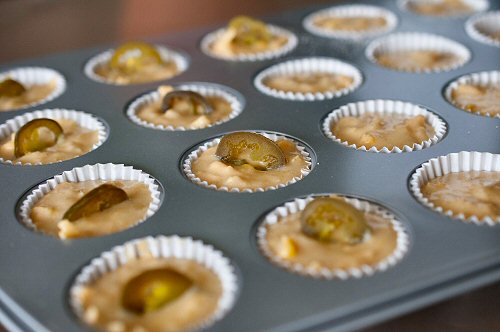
(476, 5)
(385, 107)
(107, 172)
(205, 89)
(196, 153)
(350, 11)
(453, 163)
(292, 42)
(308, 65)
(298, 204)
(166, 54)
(161, 247)
(83, 119)
(477, 25)
(29, 76)
(484, 78)
(417, 41)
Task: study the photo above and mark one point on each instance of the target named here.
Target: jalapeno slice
(333, 220)
(29, 138)
(151, 290)
(11, 88)
(249, 31)
(96, 200)
(131, 57)
(196, 103)
(241, 148)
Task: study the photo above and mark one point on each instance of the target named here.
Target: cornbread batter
(101, 300)
(48, 212)
(471, 193)
(495, 35)
(416, 60)
(34, 93)
(209, 168)
(149, 72)
(383, 130)
(224, 46)
(440, 7)
(286, 240)
(74, 142)
(351, 23)
(309, 82)
(180, 116)
(481, 99)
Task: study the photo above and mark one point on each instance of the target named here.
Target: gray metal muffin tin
(447, 256)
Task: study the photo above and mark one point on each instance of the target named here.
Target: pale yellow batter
(440, 7)
(475, 98)
(224, 46)
(181, 116)
(74, 142)
(314, 254)
(148, 73)
(495, 35)
(351, 23)
(416, 60)
(209, 168)
(47, 213)
(471, 193)
(309, 82)
(383, 130)
(101, 301)
(33, 94)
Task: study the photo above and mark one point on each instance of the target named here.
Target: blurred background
(37, 27)
(32, 28)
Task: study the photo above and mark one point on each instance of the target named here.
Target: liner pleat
(475, 5)
(308, 65)
(83, 119)
(385, 107)
(350, 11)
(206, 90)
(195, 154)
(29, 76)
(484, 78)
(292, 42)
(417, 41)
(297, 205)
(464, 161)
(166, 54)
(489, 21)
(162, 247)
(106, 172)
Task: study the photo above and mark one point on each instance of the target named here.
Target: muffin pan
(444, 258)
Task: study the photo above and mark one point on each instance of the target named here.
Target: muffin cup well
(29, 76)
(484, 78)
(161, 247)
(417, 41)
(298, 204)
(464, 161)
(166, 54)
(194, 154)
(108, 172)
(350, 11)
(308, 65)
(385, 107)
(205, 89)
(292, 42)
(477, 25)
(83, 119)
(476, 6)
